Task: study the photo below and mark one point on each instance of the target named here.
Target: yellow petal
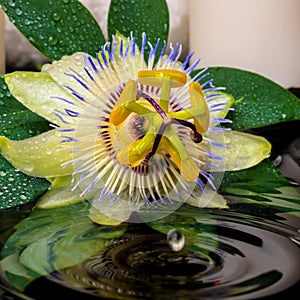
(245, 150)
(40, 93)
(223, 98)
(209, 198)
(40, 156)
(60, 194)
(74, 66)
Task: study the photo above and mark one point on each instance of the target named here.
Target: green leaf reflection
(262, 184)
(53, 239)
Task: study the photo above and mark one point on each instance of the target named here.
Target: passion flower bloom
(130, 134)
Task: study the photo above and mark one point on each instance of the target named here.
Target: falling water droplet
(175, 239)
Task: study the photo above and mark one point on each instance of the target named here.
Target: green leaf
(258, 101)
(53, 239)
(17, 122)
(262, 184)
(149, 16)
(56, 28)
(17, 188)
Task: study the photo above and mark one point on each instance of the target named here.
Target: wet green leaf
(53, 239)
(262, 184)
(17, 122)
(149, 16)
(17, 188)
(258, 101)
(56, 28)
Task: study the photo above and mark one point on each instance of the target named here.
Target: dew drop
(23, 197)
(2, 173)
(28, 166)
(52, 40)
(56, 17)
(27, 21)
(227, 140)
(165, 30)
(19, 11)
(175, 239)
(12, 3)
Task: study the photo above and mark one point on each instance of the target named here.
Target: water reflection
(246, 252)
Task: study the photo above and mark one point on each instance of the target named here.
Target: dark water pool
(257, 256)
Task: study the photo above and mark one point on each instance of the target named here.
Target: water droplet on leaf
(23, 197)
(52, 40)
(19, 12)
(12, 3)
(56, 17)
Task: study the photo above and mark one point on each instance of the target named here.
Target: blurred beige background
(257, 35)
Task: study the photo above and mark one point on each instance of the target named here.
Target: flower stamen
(159, 135)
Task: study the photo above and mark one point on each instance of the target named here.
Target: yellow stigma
(164, 79)
(158, 77)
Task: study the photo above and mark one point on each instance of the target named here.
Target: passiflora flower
(133, 135)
